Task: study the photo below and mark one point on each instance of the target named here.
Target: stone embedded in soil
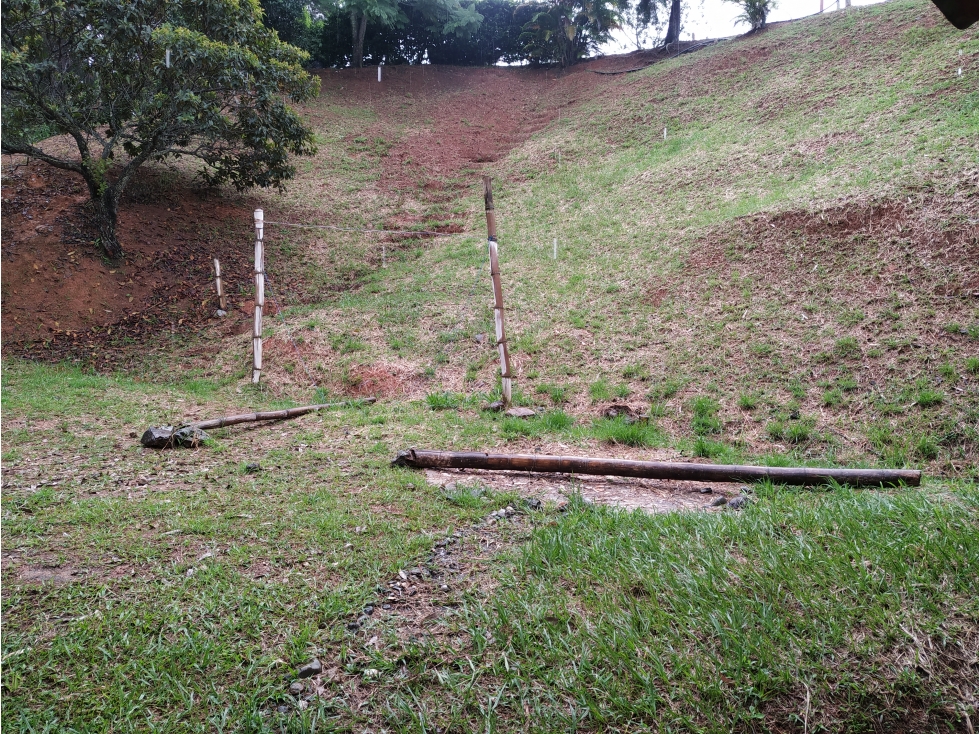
(496, 406)
(369, 609)
(157, 437)
(719, 501)
(283, 708)
(521, 413)
(353, 626)
(220, 313)
(313, 667)
(296, 688)
(253, 468)
(480, 338)
(706, 490)
(737, 503)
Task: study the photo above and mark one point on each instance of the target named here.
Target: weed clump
(620, 431)
(705, 420)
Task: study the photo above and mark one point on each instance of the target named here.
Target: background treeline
(368, 32)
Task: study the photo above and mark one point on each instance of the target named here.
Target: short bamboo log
(494, 258)
(259, 295)
(800, 476)
(276, 415)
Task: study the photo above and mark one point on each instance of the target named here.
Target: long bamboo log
(494, 258)
(800, 476)
(276, 415)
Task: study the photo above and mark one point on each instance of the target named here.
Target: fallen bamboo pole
(276, 415)
(494, 258)
(801, 476)
(259, 295)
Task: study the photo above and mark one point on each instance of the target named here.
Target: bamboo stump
(494, 258)
(259, 295)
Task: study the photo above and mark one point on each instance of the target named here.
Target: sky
(715, 19)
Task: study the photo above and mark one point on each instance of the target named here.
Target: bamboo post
(494, 258)
(259, 295)
(222, 304)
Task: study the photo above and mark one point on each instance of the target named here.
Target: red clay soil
(61, 300)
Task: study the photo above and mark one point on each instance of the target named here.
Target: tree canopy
(130, 82)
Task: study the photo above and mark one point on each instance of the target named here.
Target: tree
(568, 30)
(755, 12)
(647, 14)
(97, 71)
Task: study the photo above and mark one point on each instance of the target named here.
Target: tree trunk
(358, 27)
(106, 210)
(673, 27)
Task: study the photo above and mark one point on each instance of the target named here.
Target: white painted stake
(168, 58)
(259, 295)
(960, 71)
(384, 255)
(555, 249)
(378, 72)
(664, 133)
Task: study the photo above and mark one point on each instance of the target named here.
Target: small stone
(562, 506)
(521, 413)
(362, 619)
(282, 708)
(313, 667)
(353, 626)
(369, 609)
(533, 503)
(480, 338)
(385, 606)
(372, 673)
(794, 415)
(706, 490)
(738, 502)
(296, 688)
(132, 434)
(443, 587)
(719, 501)
(450, 487)
(220, 313)
(157, 437)
(509, 511)
(496, 406)
(253, 468)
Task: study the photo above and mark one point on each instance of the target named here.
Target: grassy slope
(838, 609)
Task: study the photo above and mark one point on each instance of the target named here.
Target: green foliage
(754, 12)
(95, 70)
(565, 31)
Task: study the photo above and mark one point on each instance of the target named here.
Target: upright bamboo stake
(259, 295)
(494, 258)
(222, 304)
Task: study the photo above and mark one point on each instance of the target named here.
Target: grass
(758, 277)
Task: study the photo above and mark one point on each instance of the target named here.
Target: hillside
(768, 247)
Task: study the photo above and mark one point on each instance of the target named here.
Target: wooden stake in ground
(494, 258)
(259, 295)
(222, 304)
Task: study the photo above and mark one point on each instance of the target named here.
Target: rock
(283, 708)
(496, 406)
(253, 468)
(385, 606)
(450, 487)
(296, 688)
(508, 511)
(220, 313)
(719, 501)
(157, 437)
(533, 503)
(372, 674)
(521, 413)
(313, 667)
(587, 501)
(706, 490)
(362, 619)
(443, 587)
(353, 626)
(616, 411)
(562, 506)
(794, 415)
(738, 502)
(480, 338)
(369, 609)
